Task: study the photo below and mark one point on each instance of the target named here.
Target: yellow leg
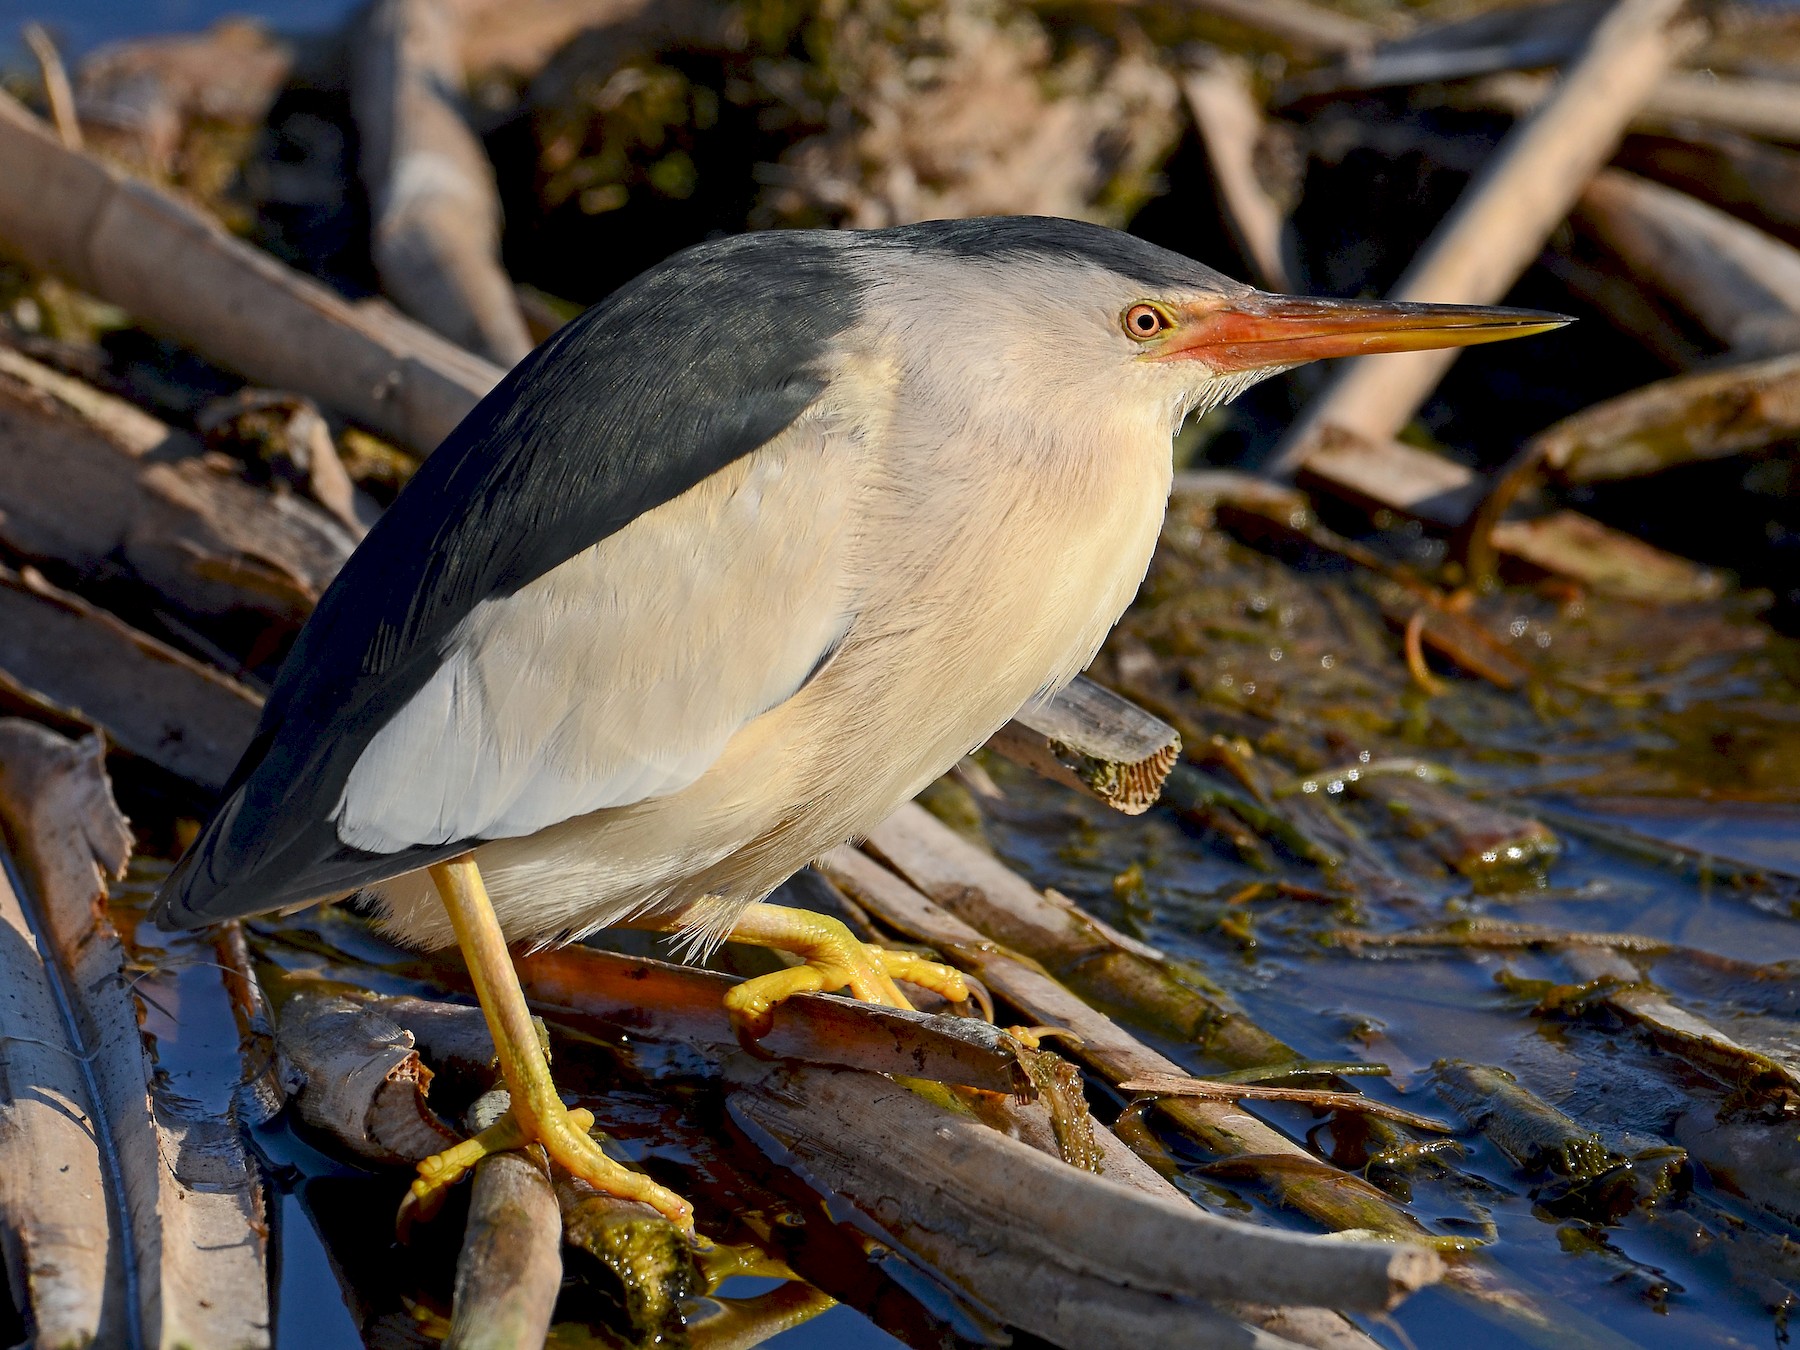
(538, 1114)
(835, 959)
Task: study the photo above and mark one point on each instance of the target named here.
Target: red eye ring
(1142, 322)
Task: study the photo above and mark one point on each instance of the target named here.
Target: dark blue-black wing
(681, 373)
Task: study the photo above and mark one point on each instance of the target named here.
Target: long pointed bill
(1283, 330)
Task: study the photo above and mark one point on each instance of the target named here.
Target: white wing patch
(620, 675)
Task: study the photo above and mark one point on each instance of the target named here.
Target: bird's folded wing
(619, 675)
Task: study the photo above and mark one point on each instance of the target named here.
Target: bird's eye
(1145, 321)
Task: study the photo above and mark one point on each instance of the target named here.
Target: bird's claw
(946, 982)
(563, 1134)
(834, 959)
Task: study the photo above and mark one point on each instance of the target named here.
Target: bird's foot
(834, 959)
(538, 1115)
(563, 1134)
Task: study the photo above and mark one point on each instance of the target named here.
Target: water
(1407, 1011)
(1662, 739)
(79, 26)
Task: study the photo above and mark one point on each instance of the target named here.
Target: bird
(722, 573)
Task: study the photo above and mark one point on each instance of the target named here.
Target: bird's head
(1093, 311)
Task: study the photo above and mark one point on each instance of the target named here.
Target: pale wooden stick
(57, 92)
(510, 1267)
(436, 232)
(179, 272)
(1766, 108)
(1230, 120)
(1180, 1085)
(1090, 1238)
(1092, 739)
(1502, 219)
(114, 1247)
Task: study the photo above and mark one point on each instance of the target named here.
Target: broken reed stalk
(1089, 1230)
(1167, 1085)
(1300, 1181)
(91, 483)
(1706, 415)
(261, 1094)
(177, 271)
(1742, 285)
(510, 1268)
(106, 1242)
(361, 1080)
(435, 237)
(1677, 1029)
(1503, 217)
(155, 703)
(1005, 908)
(656, 1000)
(1091, 739)
(1229, 117)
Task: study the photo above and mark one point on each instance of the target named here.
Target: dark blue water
(79, 26)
